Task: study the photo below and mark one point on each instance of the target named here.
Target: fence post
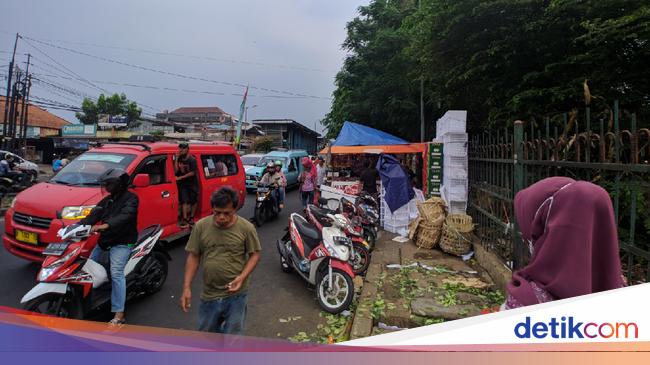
(518, 148)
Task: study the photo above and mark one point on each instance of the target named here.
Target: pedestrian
(185, 167)
(56, 164)
(570, 231)
(321, 171)
(116, 219)
(229, 249)
(369, 178)
(307, 181)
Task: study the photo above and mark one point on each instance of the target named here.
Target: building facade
(287, 133)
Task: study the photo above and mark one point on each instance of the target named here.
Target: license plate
(27, 237)
(55, 249)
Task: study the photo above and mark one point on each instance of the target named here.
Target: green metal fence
(615, 155)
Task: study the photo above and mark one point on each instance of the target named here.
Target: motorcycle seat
(321, 215)
(310, 235)
(147, 232)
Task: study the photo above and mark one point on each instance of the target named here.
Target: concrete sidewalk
(408, 287)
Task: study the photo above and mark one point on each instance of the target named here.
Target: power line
(74, 73)
(139, 67)
(164, 88)
(60, 64)
(197, 57)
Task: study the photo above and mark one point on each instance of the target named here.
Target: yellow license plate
(27, 237)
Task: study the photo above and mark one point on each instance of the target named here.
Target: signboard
(88, 130)
(105, 120)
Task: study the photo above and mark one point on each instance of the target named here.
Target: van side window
(292, 165)
(219, 165)
(154, 167)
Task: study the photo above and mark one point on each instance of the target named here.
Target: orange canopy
(397, 148)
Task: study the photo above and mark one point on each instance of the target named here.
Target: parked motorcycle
(321, 259)
(73, 286)
(360, 213)
(266, 204)
(360, 256)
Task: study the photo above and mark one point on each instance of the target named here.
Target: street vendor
(369, 178)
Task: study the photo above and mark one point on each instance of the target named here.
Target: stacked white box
(398, 221)
(451, 132)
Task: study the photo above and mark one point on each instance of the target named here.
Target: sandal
(115, 322)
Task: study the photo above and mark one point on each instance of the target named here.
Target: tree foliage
(116, 104)
(499, 59)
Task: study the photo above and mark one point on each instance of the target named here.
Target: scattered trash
(172, 297)
(346, 313)
(401, 239)
(443, 270)
(472, 272)
(289, 319)
(384, 326)
(468, 256)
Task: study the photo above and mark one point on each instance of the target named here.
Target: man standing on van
(186, 178)
(229, 248)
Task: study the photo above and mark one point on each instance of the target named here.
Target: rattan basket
(456, 234)
(428, 235)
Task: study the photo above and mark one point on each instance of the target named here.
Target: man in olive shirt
(229, 248)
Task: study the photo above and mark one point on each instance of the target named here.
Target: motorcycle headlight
(48, 270)
(79, 212)
(340, 248)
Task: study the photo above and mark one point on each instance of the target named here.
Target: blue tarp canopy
(353, 134)
(396, 182)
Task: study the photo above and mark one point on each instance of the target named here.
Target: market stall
(358, 146)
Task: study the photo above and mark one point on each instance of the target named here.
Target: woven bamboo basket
(428, 235)
(431, 209)
(456, 234)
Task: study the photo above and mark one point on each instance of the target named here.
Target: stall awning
(353, 134)
(399, 148)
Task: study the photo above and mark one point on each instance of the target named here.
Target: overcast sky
(291, 48)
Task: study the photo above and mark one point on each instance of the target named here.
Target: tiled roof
(202, 109)
(38, 117)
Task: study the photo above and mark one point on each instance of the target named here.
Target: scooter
(321, 259)
(360, 214)
(266, 204)
(73, 286)
(360, 256)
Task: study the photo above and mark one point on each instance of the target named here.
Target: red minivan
(40, 211)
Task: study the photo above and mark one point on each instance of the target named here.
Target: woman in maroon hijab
(570, 229)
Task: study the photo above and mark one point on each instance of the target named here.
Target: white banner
(621, 315)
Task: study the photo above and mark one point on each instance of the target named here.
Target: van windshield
(267, 159)
(87, 168)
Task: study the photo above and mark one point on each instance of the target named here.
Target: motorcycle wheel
(338, 298)
(360, 259)
(259, 216)
(371, 238)
(159, 269)
(47, 303)
(284, 266)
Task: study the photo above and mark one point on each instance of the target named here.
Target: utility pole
(8, 95)
(23, 115)
(13, 111)
(422, 129)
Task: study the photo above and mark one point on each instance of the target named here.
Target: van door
(218, 170)
(157, 202)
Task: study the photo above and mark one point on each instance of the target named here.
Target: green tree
(116, 104)
(499, 59)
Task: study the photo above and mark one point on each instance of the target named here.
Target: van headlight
(79, 212)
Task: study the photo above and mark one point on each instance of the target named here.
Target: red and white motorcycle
(321, 259)
(73, 286)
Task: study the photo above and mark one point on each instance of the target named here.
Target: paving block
(430, 308)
